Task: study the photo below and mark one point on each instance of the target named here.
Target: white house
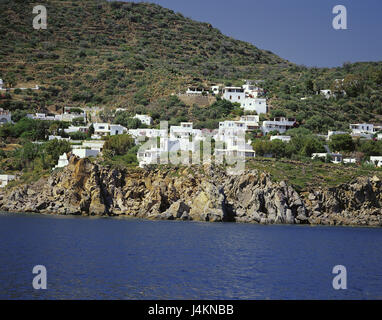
(376, 160)
(195, 91)
(83, 153)
(232, 127)
(184, 130)
(249, 102)
(5, 116)
(234, 94)
(5, 178)
(215, 90)
(70, 116)
(278, 124)
(254, 104)
(251, 88)
(94, 145)
(333, 133)
(147, 133)
(336, 157)
(327, 93)
(186, 135)
(282, 138)
(106, 129)
(117, 129)
(101, 129)
(362, 128)
(251, 122)
(232, 143)
(62, 161)
(230, 139)
(73, 129)
(43, 116)
(349, 160)
(153, 154)
(52, 137)
(236, 149)
(144, 119)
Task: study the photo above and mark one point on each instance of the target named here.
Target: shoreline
(128, 217)
(204, 193)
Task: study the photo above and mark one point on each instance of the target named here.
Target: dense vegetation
(304, 143)
(134, 55)
(114, 54)
(297, 98)
(33, 160)
(304, 175)
(121, 150)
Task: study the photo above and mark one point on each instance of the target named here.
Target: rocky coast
(203, 193)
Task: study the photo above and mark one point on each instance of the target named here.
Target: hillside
(95, 52)
(134, 55)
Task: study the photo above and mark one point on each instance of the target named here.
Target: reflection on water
(105, 258)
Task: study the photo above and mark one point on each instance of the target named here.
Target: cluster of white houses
(229, 137)
(67, 116)
(248, 95)
(229, 140)
(36, 87)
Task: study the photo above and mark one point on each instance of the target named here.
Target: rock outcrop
(194, 193)
(356, 203)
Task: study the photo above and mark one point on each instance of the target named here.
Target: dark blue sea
(121, 258)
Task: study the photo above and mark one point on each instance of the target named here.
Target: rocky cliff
(194, 193)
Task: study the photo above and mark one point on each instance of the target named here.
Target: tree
(371, 148)
(53, 129)
(78, 121)
(309, 86)
(90, 131)
(10, 79)
(261, 147)
(277, 113)
(312, 145)
(124, 119)
(378, 79)
(277, 148)
(341, 142)
(119, 144)
(78, 135)
(353, 85)
(53, 149)
(28, 153)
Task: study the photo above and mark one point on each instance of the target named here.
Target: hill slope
(134, 55)
(96, 52)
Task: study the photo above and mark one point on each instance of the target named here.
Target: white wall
(83, 153)
(255, 104)
(234, 94)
